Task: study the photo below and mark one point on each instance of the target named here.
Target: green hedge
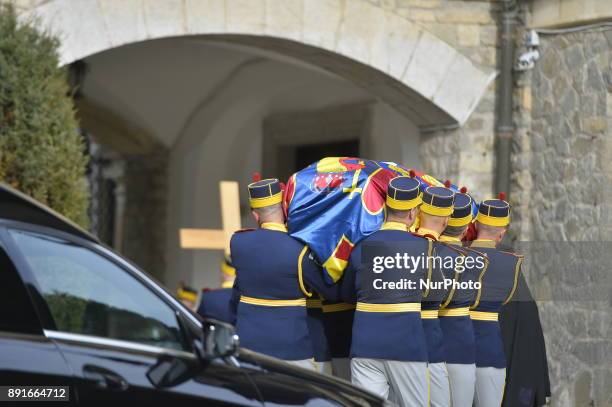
(41, 150)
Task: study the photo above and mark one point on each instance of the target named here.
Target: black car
(74, 313)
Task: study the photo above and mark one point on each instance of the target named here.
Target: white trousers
(309, 364)
(462, 378)
(324, 367)
(439, 387)
(490, 382)
(407, 381)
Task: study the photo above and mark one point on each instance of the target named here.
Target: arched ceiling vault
(412, 70)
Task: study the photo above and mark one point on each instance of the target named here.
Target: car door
(27, 357)
(112, 328)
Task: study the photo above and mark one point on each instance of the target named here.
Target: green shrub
(41, 150)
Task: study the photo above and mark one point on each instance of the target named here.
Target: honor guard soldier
(275, 274)
(436, 209)
(498, 287)
(388, 349)
(215, 304)
(338, 321)
(459, 341)
(316, 328)
(187, 295)
(330, 325)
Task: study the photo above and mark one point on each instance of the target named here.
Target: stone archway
(410, 69)
(270, 50)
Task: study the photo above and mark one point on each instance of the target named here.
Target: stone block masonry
(562, 169)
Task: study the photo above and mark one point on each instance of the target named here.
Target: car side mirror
(170, 371)
(220, 340)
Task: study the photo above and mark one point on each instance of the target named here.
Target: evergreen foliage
(41, 151)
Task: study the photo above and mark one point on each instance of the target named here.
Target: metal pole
(505, 126)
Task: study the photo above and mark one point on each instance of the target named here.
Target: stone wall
(557, 13)
(372, 45)
(562, 177)
(463, 155)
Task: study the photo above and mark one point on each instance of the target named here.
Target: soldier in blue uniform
(459, 340)
(215, 304)
(388, 349)
(187, 295)
(275, 274)
(435, 210)
(316, 327)
(338, 321)
(498, 287)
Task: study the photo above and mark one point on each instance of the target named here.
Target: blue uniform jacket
(331, 325)
(215, 304)
(432, 298)
(337, 318)
(338, 321)
(498, 286)
(275, 273)
(388, 335)
(316, 327)
(457, 328)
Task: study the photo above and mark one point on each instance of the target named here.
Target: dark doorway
(309, 153)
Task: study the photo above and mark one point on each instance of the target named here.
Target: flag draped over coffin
(335, 202)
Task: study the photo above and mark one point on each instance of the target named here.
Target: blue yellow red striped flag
(337, 201)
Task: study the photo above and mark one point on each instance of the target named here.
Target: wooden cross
(217, 239)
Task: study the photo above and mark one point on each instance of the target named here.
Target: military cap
(264, 193)
(227, 268)
(438, 201)
(494, 212)
(186, 293)
(403, 193)
(462, 209)
(229, 272)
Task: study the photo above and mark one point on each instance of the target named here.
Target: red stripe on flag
(344, 250)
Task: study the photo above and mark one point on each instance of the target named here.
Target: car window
(88, 294)
(16, 310)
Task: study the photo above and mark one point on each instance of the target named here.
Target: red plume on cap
(502, 196)
(412, 174)
(463, 190)
(256, 177)
(470, 234)
(447, 183)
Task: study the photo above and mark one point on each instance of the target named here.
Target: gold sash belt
(483, 316)
(300, 302)
(314, 303)
(429, 314)
(340, 306)
(401, 307)
(454, 312)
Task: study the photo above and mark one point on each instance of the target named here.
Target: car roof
(17, 206)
